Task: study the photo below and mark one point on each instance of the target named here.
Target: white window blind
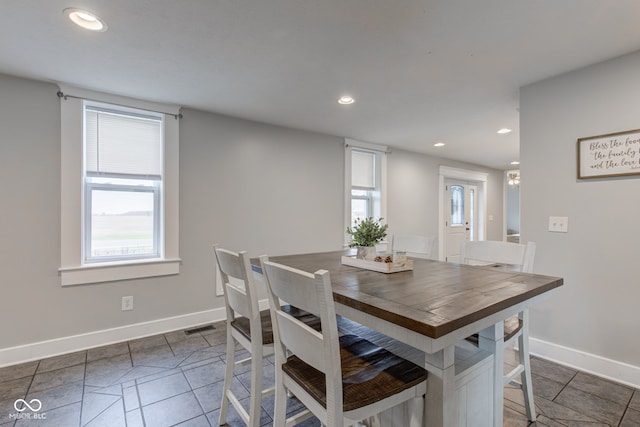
(119, 144)
(363, 169)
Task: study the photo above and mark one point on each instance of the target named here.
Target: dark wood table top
(433, 299)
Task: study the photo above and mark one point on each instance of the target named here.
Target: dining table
(433, 307)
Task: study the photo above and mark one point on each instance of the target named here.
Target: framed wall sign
(614, 154)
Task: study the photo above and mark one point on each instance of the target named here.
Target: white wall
(596, 311)
(245, 185)
(413, 194)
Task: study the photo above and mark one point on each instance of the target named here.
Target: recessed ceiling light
(515, 162)
(346, 100)
(86, 20)
(504, 130)
(439, 144)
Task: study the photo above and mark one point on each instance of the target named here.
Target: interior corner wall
(596, 311)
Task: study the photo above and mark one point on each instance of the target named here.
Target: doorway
(461, 216)
(462, 213)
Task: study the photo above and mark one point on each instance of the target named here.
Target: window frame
(377, 196)
(73, 268)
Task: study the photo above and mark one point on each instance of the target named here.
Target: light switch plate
(559, 224)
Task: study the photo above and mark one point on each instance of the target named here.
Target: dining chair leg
(280, 408)
(525, 377)
(228, 377)
(256, 385)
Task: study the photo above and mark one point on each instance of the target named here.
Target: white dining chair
(414, 245)
(249, 327)
(244, 326)
(519, 257)
(340, 379)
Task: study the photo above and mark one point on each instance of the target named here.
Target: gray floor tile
(115, 390)
(147, 342)
(18, 371)
(140, 373)
(591, 405)
(164, 373)
(215, 340)
(134, 418)
(631, 418)
(545, 387)
(512, 418)
(234, 420)
(160, 357)
(63, 361)
(293, 405)
(172, 411)
(57, 378)
(93, 404)
(201, 421)
(210, 396)
(551, 370)
(107, 365)
(176, 336)
(15, 388)
(108, 371)
(163, 388)
(189, 345)
(200, 358)
(131, 400)
(68, 416)
(561, 413)
(603, 388)
(112, 416)
(206, 374)
(111, 350)
(635, 400)
(268, 377)
(58, 396)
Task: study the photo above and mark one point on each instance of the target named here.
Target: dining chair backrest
(518, 255)
(241, 296)
(414, 245)
(340, 379)
(312, 293)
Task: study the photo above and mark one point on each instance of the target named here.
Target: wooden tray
(382, 267)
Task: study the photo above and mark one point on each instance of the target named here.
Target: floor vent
(200, 329)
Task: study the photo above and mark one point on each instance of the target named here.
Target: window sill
(118, 271)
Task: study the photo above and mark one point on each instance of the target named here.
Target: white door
(460, 217)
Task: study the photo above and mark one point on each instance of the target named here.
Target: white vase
(366, 252)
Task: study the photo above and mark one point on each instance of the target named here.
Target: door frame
(479, 179)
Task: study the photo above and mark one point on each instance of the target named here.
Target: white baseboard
(597, 365)
(55, 347)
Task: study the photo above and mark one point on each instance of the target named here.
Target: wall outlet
(559, 224)
(127, 303)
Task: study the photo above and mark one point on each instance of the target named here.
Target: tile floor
(176, 379)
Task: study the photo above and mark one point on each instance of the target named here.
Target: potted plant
(365, 234)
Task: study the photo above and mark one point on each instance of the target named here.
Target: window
(119, 188)
(123, 183)
(457, 205)
(365, 172)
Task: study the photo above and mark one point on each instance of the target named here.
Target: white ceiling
(421, 71)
